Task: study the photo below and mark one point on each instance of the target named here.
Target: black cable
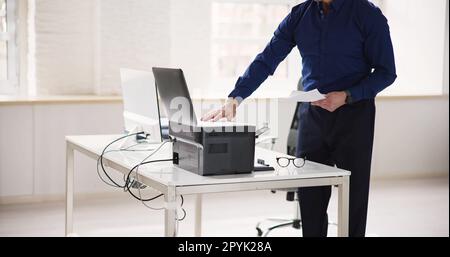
(128, 180)
(118, 150)
(128, 184)
(103, 153)
(146, 158)
(100, 176)
(127, 149)
(184, 215)
(184, 211)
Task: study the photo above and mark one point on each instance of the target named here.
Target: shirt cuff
(356, 93)
(239, 94)
(349, 98)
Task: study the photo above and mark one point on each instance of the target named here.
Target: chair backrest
(292, 136)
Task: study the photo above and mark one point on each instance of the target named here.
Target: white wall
(190, 40)
(81, 45)
(411, 140)
(51, 124)
(64, 51)
(412, 137)
(16, 150)
(32, 147)
(131, 34)
(418, 36)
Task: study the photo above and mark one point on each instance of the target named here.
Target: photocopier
(204, 148)
(214, 150)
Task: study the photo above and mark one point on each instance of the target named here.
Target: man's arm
(380, 54)
(266, 62)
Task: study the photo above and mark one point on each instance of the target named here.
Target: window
(241, 30)
(8, 68)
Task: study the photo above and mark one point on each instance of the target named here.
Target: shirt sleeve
(267, 61)
(380, 55)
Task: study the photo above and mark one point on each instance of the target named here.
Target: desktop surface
(168, 174)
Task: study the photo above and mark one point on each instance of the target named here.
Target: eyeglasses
(284, 161)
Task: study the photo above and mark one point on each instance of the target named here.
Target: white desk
(172, 181)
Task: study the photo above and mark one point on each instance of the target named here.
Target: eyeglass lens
(284, 162)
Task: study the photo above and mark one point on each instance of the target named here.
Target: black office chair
(292, 194)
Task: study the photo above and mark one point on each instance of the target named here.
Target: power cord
(184, 211)
(128, 184)
(143, 201)
(101, 160)
(127, 180)
(127, 149)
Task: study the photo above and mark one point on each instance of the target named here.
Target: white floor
(417, 207)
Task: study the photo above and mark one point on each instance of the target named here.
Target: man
(346, 54)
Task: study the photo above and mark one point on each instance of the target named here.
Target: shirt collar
(335, 4)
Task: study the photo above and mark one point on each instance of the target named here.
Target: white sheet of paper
(302, 96)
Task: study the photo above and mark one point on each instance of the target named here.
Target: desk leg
(343, 207)
(170, 213)
(198, 215)
(69, 189)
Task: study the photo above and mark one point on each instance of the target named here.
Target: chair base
(295, 223)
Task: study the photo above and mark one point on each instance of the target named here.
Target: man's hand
(332, 101)
(227, 111)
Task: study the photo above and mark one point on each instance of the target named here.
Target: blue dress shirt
(349, 48)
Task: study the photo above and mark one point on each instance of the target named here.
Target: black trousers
(342, 138)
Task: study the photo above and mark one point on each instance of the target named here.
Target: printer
(214, 150)
(204, 148)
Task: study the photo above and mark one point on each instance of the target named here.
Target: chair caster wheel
(260, 232)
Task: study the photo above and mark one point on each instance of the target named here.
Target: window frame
(11, 84)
